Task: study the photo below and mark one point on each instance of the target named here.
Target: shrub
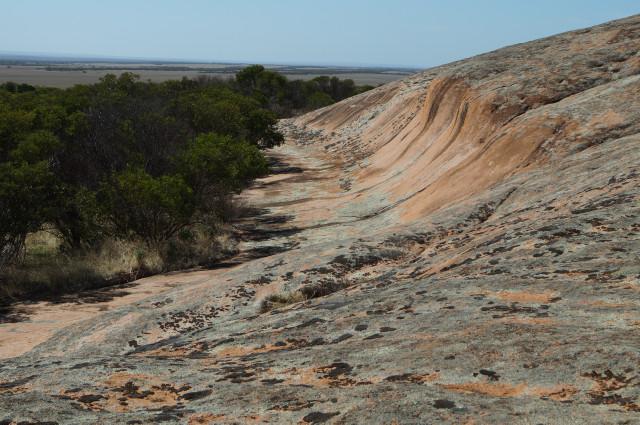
(134, 176)
(140, 205)
(319, 100)
(280, 300)
(306, 292)
(28, 199)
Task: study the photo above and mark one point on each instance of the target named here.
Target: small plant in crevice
(306, 292)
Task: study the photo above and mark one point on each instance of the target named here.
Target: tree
(268, 87)
(319, 100)
(216, 164)
(248, 77)
(261, 129)
(135, 159)
(140, 205)
(29, 197)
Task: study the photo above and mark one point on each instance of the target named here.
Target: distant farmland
(66, 74)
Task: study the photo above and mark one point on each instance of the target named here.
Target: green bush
(285, 98)
(124, 158)
(126, 163)
(151, 208)
(320, 100)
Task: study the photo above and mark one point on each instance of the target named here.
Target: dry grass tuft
(280, 300)
(305, 293)
(47, 272)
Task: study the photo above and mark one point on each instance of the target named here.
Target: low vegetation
(289, 97)
(108, 182)
(306, 292)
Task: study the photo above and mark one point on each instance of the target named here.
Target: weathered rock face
(469, 238)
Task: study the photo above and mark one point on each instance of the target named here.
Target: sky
(409, 33)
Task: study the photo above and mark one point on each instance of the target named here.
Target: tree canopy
(126, 158)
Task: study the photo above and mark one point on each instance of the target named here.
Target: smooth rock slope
(469, 239)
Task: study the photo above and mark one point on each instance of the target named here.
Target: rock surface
(468, 237)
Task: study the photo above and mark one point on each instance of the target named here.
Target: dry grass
(280, 300)
(42, 243)
(305, 293)
(118, 256)
(47, 272)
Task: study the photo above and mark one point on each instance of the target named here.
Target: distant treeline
(127, 160)
(288, 97)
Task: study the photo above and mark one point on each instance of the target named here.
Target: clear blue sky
(355, 32)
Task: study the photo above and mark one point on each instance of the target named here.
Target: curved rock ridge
(455, 130)
(457, 247)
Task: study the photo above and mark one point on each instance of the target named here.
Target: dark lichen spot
(336, 369)
(444, 404)
(374, 336)
(195, 395)
(341, 338)
(16, 383)
(490, 373)
(319, 417)
(406, 377)
(311, 322)
(272, 381)
(89, 398)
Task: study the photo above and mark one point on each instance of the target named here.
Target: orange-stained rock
(465, 242)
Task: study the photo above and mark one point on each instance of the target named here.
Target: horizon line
(80, 57)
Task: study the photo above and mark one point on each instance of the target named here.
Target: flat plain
(67, 74)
